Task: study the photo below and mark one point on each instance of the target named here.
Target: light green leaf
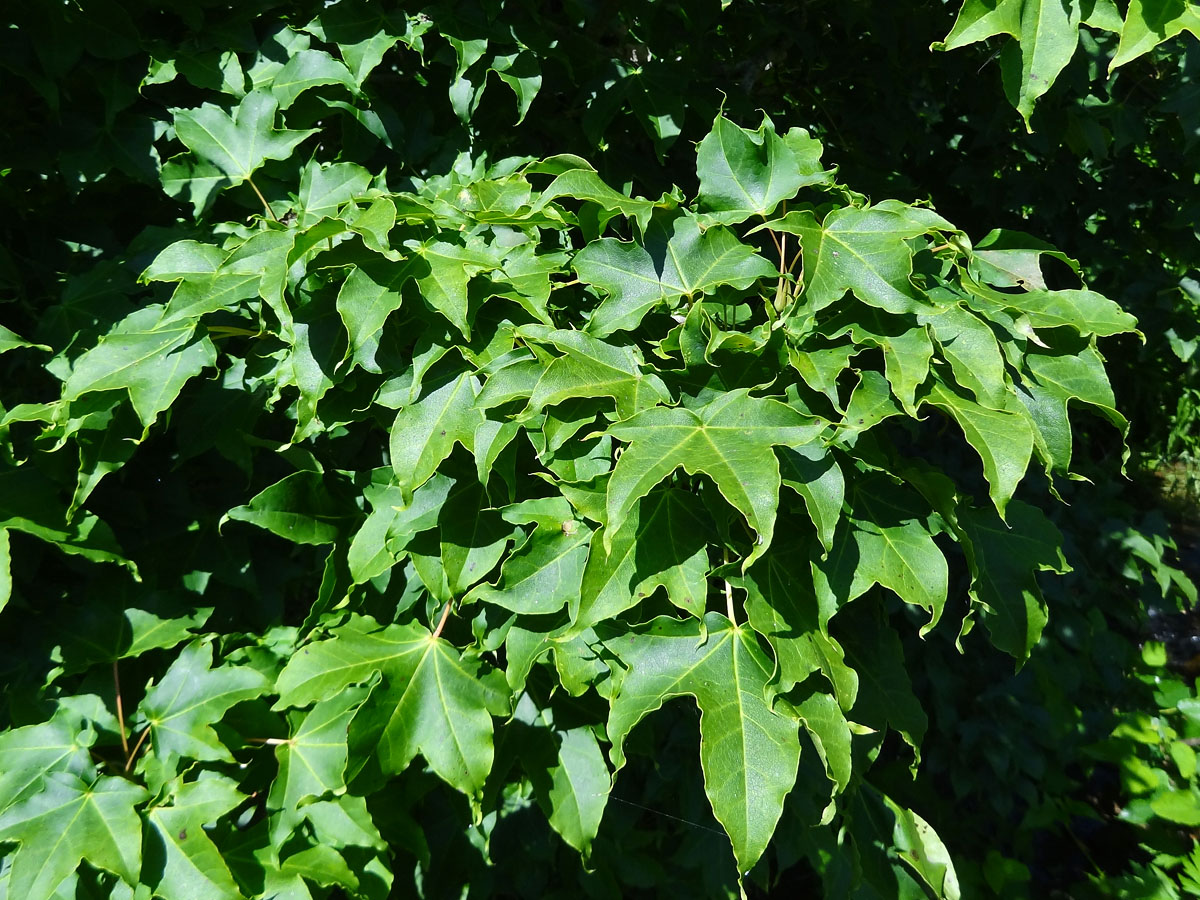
(325, 187)
(1056, 381)
(300, 508)
(815, 475)
(308, 69)
(979, 20)
(1150, 22)
(6, 585)
(747, 173)
(1004, 559)
(683, 262)
(152, 361)
(237, 145)
(885, 540)
(450, 268)
(424, 433)
(431, 701)
(1048, 38)
(312, 761)
(782, 607)
(662, 542)
(367, 297)
(184, 260)
(728, 439)
(827, 727)
(907, 351)
(586, 184)
(1003, 438)
(33, 752)
(10, 340)
(191, 697)
(542, 574)
(193, 179)
(970, 347)
(871, 403)
(69, 822)
(191, 864)
(749, 754)
(595, 368)
(859, 250)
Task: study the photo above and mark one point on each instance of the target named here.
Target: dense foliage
(402, 409)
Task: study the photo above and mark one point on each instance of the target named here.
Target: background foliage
(323, 327)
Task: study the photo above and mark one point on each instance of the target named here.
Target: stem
(120, 711)
(271, 742)
(437, 632)
(945, 246)
(136, 747)
(267, 205)
(729, 593)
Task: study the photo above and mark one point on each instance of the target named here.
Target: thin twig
(136, 747)
(272, 742)
(437, 632)
(120, 710)
(270, 211)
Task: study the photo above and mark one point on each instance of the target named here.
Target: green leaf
(324, 188)
(594, 368)
(6, 584)
(682, 263)
(885, 540)
(584, 183)
(859, 250)
(815, 475)
(728, 439)
(663, 542)
(308, 69)
(178, 845)
(749, 753)
(69, 822)
(979, 20)
(191, 697)
(1003, 438)
(970, 347)
(149, 359)
(1048, 37)
(747, 173)
(424, 433)
(237, 145)
(33, 752)
(312, 761)
(782, 606)
(1150, 22)
(299, 508)
(1005, 558)
(543, 574)
(432, 700)
(10, 340)
(450, 268)
(1056, 381)
(364, 305)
